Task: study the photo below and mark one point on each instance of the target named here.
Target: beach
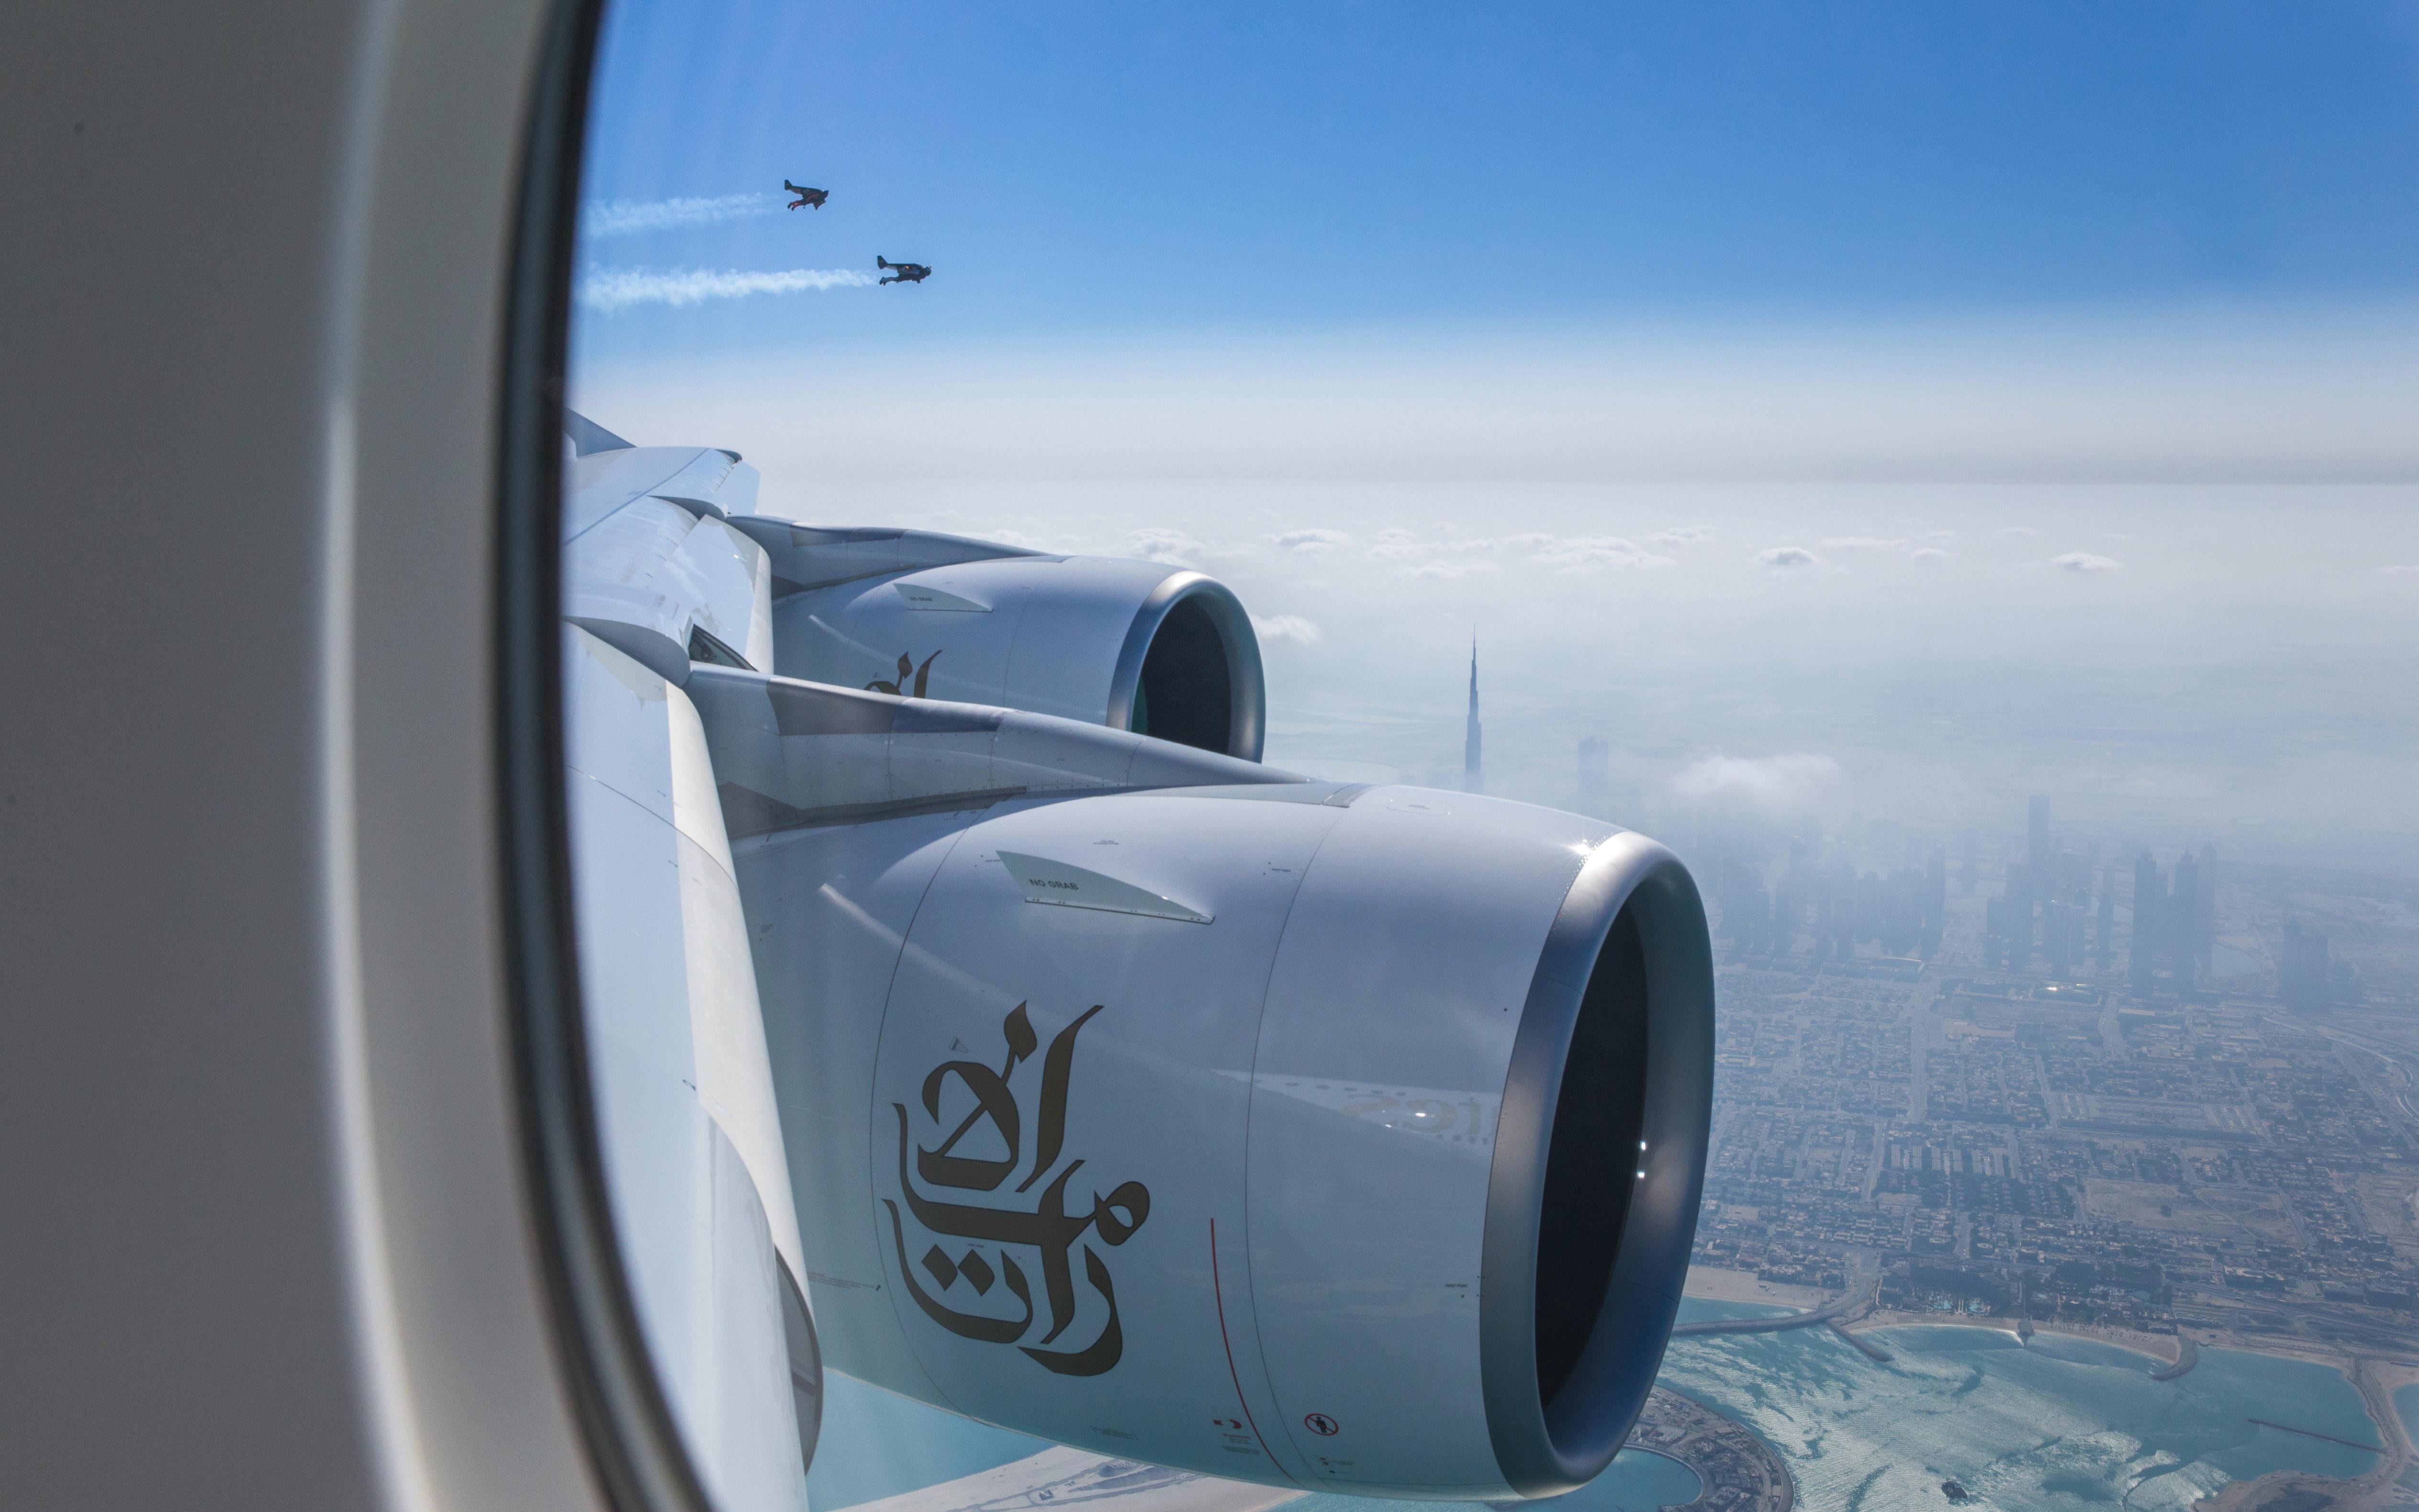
(1716, 1284)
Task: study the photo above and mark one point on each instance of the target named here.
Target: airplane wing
(1031, 1050)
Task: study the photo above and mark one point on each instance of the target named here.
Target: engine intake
(1133, 645)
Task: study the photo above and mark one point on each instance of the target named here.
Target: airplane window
(1137, 579)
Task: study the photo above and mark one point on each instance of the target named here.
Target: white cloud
(2406, 570)
(609, 289)
(1413, 549)
(1285, 627)
(1312, 542)
(1396, 537)
(1928, 553)
(2085, 562)
(1445, 571)
(1789, 556)
(628, 217)
(1861, 543)
(1776, 781)
(2114, 535)
(1680, 535)
(1587, 553)
(1174, 548)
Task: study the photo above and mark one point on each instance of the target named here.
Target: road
(1864, 1282)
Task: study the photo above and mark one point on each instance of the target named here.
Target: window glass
(1947, 474)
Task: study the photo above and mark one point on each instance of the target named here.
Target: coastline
(2159, 1346)
(2375, 1377)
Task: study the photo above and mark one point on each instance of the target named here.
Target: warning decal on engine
(1073, 887)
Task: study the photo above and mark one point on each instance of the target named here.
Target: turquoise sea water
(2060, 1425)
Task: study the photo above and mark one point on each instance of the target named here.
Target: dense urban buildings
(2130, 1090)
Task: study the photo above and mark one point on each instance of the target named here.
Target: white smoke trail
(607, 289)
(627, 217)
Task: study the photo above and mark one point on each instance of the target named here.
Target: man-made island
(1737, 1471)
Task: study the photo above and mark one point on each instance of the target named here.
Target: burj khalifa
(1471, 779)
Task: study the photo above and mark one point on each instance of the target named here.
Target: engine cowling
(1133, 645)
(1295, 1132)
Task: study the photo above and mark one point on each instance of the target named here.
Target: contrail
(627, 217)
(607, 289)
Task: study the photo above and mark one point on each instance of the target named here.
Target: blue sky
(1075, 168)
(1737, 367)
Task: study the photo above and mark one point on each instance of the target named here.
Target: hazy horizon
(1893, 413)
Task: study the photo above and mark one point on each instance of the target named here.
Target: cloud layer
(1312, 541)
(1588, 553)
(1773, 781)
(1285, 627)
(607, 291)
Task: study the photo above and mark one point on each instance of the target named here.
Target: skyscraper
(2023, 890)
(2103, 922)
(1472, 780)
(2301, 971)
(2183, 921)
(1935, 899)
(2149, 906)
(2061, 936)
(2205, 910)
(2037, 837)
(1592, 768)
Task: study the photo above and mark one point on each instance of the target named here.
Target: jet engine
(1287, 1131)
(1133, 645)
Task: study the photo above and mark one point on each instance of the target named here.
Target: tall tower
(1935, 899)
(1472, 780)
(2149, 904)
(2183, 919)
(1592, 768)
(2103, 923)
(2037, 839)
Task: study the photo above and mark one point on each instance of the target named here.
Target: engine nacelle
(1295, 1132)
(1133, 645)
